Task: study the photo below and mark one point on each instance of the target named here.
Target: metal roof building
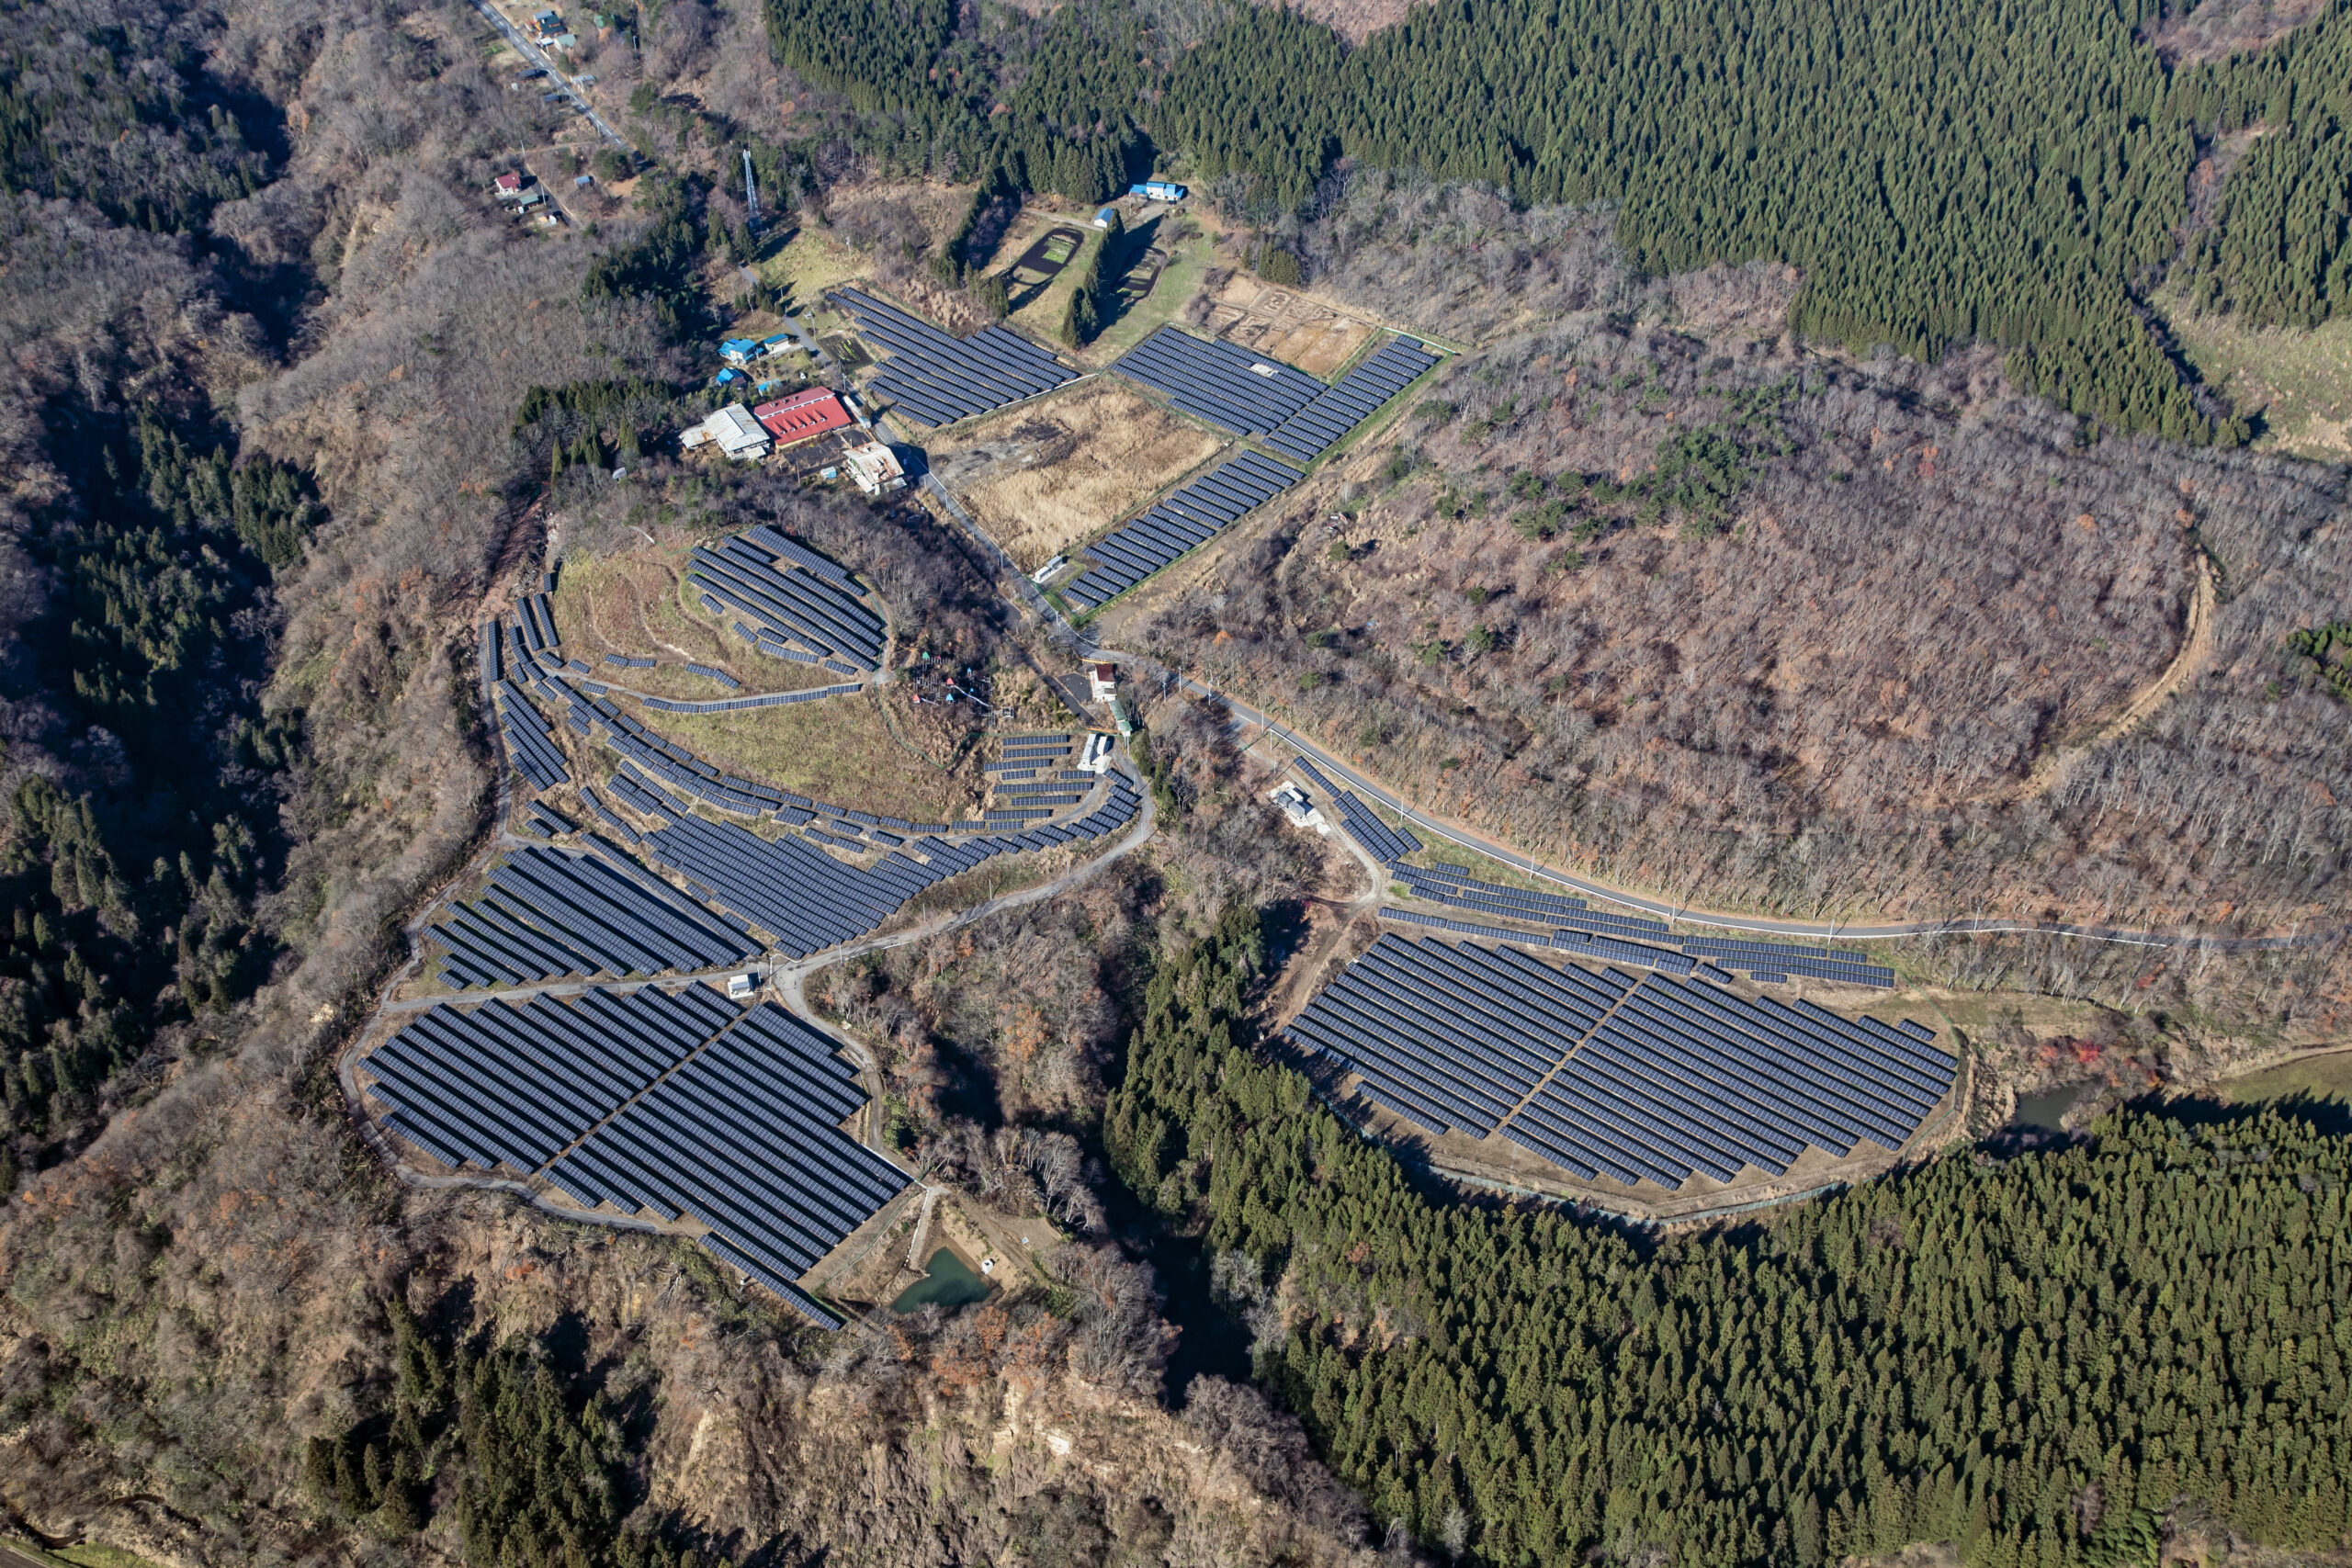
(804, 416)
(733, 428)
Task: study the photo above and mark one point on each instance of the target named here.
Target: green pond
(947, 1282)
(2043, 1111)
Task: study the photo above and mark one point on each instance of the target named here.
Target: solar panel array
(1683, 1079)
(514, 1084)
(1818, 962)
(1218, 381)
(770, 700)
(529, 743)
(1588, 932)
(940, 379)
(1449, 886)
(1191, 517)
(721, 676)
(625, 663)
(1384, 842)
(1657, 1078)
(684, 1105)
(1453, 1036)
(536, 617)
(1317, 426)
(808, 900)
(745, 1137)
(755, 575)
(545, 913)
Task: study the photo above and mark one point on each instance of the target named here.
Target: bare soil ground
(1286, 324)
(635, 605)
(1044, 476)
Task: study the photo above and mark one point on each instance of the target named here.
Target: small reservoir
(947, 1282)
(2042, 1112)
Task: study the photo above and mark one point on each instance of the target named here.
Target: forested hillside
(1944, 170)
(2033, 1359)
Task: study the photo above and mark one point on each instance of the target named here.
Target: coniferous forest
(2032, 1358)
(1943, 170)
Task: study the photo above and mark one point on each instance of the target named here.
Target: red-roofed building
(803, 416)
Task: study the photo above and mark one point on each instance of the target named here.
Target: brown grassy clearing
(1046, 475)
(636, 605)
(843, 750)
(1286, 324)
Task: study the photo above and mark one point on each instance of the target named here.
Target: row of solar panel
(1740, 951)
(492, 641)
(624, 661)
(807, 900)
(1319, 426)
(1595, 944)
(787, 601)
(1190, 518)
(530, 745)
(1427, 884)
(721, 676)
(545, 913)
(1447, 885)
(941, 378)
(536, 617)
(1683, 1080)
(1384, 842)
(770, 700)
(1218, 381)
(604, 814)
(545, 820)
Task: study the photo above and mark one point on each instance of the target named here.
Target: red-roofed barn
(803, 416)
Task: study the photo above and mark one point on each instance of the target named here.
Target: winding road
(1081, 644)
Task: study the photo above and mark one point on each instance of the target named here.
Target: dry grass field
(1044, 477)
(843, 750)
(1286, 324)
(635, 605)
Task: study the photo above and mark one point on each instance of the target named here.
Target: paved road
(1084, 644)
(556, 80)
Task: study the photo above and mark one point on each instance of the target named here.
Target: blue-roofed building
(1157, 190)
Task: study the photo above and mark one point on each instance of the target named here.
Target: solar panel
(1653, 1080)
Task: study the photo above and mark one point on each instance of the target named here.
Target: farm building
(733, 430)
(876, 469)
(1103, 215)
(743, 351)
(804, 416)
(1157, 190)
